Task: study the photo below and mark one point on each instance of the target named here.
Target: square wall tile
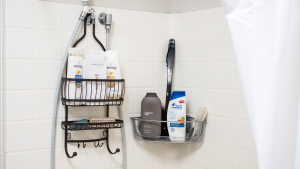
(163, 24)
(186, 49)
(92, 44)
(187, 26)
(19, 14)
(165, 156)
(69, 21)
(184, 166)
(144, 74)
(42, 158)
(205, 48)
(223, 103)
(83, 44)
(19, 105)
(144, 166)
(139, 94)
(184, 154)
(175, 24)
(242, 135)
(144, 23)
(224, 48)
(127, 73)
(143, 152)
(203, 155)
(205, 22)
(243, 159)
(161, 48)
(160, 74)
(205, 75)
(122, 22)
(43, 134)
(186, 74)
(204, 97)
(19, 44)
(19, 75)
(48, 15)
(127, 106)
(24, 160)
(46, 73)
(223, 131)
(209, 132)
(221, 25)
(48, 45)
(14, 131)
(237, 79)
(98, 158)
(144, 49)
(240, 109)
(224, 75)
(82, 157)
(44, 104)
(222, 157)
(124, 44)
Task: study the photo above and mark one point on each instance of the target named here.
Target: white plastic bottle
(74, 71)
(177, 112)
(113, 72)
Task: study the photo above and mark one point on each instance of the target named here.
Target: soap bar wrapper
(74, 70)
(94, 69)
(114, 89)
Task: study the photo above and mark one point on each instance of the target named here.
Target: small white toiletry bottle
(74, 70)
(114, 89)
(94, 67)
(177, 114)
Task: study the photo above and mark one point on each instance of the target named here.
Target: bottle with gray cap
(151, 110)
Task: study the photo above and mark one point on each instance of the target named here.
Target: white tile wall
(204, 67)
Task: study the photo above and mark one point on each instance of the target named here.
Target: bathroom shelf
(90, 95)
(99, 94)
(90, 126)
(197, 137)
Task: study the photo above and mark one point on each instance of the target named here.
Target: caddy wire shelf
(70, 125)
(194, 132)
(92, 92)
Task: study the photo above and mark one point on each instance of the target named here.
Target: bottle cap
(151, 95)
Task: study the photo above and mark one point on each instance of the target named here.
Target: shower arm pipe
(81, 19)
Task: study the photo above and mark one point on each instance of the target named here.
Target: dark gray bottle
(151, 110)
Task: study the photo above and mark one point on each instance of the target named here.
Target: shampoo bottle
(177, 114)
(75, 61)
(151, 110)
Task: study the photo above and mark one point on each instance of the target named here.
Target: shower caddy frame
(71, 126)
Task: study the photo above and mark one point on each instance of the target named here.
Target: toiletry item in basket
(199, 118)
(103, 120)
(74, 70)
(94, 68)
(78, 126)
(114, 89)
(94, 54)
(151, 110)
(177, 112)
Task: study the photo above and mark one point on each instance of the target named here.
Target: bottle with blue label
(177, 114)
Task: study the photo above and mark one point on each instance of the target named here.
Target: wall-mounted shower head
(105, 19)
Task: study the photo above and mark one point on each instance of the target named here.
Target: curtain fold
(266, 40)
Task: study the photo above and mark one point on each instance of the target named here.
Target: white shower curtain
(266, 39)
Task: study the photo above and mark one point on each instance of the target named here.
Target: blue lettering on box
(176, 125)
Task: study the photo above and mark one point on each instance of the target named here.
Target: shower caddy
(110, 100)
